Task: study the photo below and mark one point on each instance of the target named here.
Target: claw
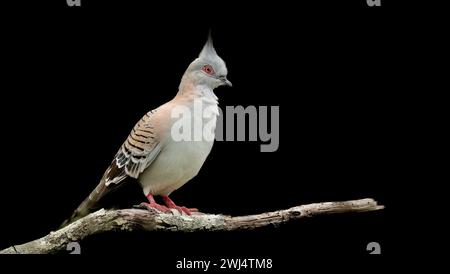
(170, 204)
(154, 205)
(151, 206)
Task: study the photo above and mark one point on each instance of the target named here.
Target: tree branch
(144, 220)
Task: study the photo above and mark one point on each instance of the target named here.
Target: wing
(137, 152)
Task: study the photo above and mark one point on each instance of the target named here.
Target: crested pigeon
(151, 155)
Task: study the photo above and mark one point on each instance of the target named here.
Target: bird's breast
(180, 160)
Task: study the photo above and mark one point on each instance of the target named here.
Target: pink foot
(170, 204)
(153, 204)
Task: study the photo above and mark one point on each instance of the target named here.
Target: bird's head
(208, 69)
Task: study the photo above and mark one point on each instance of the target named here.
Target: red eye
(208, 69)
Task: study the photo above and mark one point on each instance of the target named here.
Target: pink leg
(152, 204)
(170, 204)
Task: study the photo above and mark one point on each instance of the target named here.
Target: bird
(160, 163)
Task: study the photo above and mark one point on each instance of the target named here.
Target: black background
(77, 79)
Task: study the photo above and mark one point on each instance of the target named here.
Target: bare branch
(144, 220)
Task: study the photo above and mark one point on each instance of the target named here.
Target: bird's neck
(188, 91)
(200, 97)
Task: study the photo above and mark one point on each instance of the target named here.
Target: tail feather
(90, 204)
(111, 181)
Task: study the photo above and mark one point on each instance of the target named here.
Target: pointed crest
(208, 50)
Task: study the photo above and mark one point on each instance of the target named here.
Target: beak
(226, 82)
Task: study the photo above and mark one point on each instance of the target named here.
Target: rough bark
(144, 220)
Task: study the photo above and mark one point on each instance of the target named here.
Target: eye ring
(208, 69)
